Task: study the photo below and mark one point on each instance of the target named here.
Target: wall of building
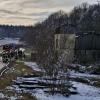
(65, 44)
(64, 41)
(87, 48)
(87, 56)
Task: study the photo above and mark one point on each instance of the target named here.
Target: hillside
(82, 18)
(13, 31)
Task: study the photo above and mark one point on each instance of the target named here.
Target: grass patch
(16, 70)
(20, 96)
(27, 96)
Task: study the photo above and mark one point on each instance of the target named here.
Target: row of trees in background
(13, 31)
(82, 18)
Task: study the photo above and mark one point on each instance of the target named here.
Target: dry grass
(16, 70)
(19, 96)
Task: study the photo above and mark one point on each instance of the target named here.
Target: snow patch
(86, 92)
(2, 95)
(33, 65)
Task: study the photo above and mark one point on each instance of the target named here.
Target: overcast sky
(27, 12)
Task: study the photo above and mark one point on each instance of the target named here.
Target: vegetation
(6, 94)
(82, 18)
(41, 39)
(13, 31)
(16, 70)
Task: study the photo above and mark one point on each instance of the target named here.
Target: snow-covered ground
(85, 92)
(86, 75)
(1, 63)
(9, 41)
(34, 66)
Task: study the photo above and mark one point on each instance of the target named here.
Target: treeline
(82, 18)
(13, 31)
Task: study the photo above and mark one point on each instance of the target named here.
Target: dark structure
(11, 52)
(87, 47)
